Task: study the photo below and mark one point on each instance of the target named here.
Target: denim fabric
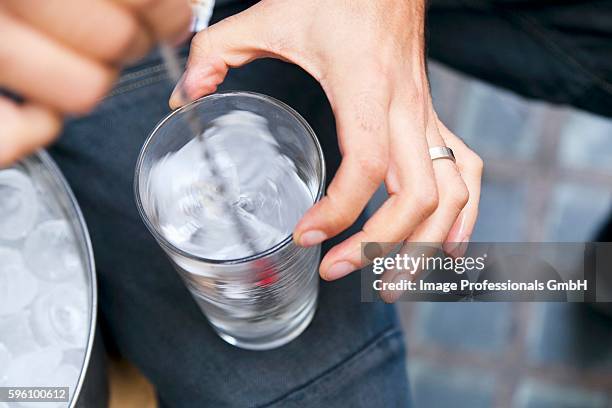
(352, 355)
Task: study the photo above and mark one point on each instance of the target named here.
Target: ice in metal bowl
(47, 282)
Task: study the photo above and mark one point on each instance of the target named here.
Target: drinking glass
(264, 300)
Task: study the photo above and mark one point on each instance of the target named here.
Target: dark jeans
(351, 355)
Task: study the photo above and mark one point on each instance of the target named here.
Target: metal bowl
(58, 197)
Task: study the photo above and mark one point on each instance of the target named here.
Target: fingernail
(178, 96)
(339, 270)
(450, 247)
(457, 249)
(314, 237)
(461, 250)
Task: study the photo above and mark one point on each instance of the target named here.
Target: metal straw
(198, 127)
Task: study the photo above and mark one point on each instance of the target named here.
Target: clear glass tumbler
(264, 300)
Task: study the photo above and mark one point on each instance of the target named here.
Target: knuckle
(373, 168)
(427, 201)
(458, 196)
(473, 161)
(478, 163)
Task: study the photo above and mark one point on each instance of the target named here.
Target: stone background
(548, 177)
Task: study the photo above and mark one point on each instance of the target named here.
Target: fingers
(470, 166)
(411, 250)
(452, 198)
(425, 197)
(62, 56)
(78, 25)
(459, 193)
(254, 33)
(229, 43)
(24, 128)
(363, 137)
(452, 192)
(413, 196)
(45, 72)
(168, 20)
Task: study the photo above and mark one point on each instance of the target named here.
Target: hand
(368, 57)
(62, 56)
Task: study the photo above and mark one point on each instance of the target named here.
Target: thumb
(232, 42)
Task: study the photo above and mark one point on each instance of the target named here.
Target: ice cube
(66, 376)
(63, 376)
(5, 359)
(185, 193)
(17, 285)
(34, 368)
(262, 185)
(40, 369)
(18, 204)
(60, 317)
(74, 356)
(16, 333)
(51, 251)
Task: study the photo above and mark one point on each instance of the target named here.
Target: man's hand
(62, 56)
(368, 56)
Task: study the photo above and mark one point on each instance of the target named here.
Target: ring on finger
(441, 152)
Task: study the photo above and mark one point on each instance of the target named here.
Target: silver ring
(441, 152)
